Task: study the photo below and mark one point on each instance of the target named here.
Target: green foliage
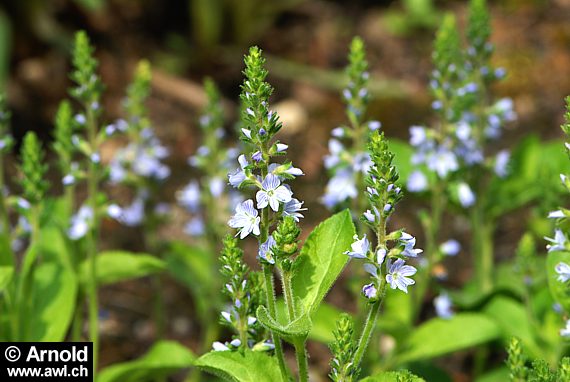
(559, 290)
(255, 94)
(357, 71)
(343, 348)
(516, 361)
(295, 331)
(84, 74)
(537, 371)
(512, 318)
(63, 146)
(322, 260)
(286, 238)
(53, 295)
(437, 336)
(479, 29)
(137, 93)
(117, 266)
(6, 139)
(244, 366)
(162, 359)
(394, 376)
(33, 169)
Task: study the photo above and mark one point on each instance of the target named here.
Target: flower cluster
(256, 169)
(348, 163)
(343, 348)
(383, 194)
(140, 163)
(562, 216)
(205, 199)
(459, 82)
(86, 140)
(243, 288)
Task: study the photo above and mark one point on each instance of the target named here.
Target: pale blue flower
(398, 274)
(374, 125)
(68, 180)
(80, 223)
(361, 162)
(369, 291)
(292, 208)
(238, 176)
(133, 215)
(266, 250)
(501, 163)
(418, 135)
(556, 214)
(281, 147)
(189, 196)
(465, 195)
(558, 243)
(409, 242)
(563, 271)
(360, 248)
(380, 256)
(442, 161)
(565, 332)
(372, 216)
(450, 247)
(195, 227)
(246, 219)
(218, 346)
(272, 193)
(335, 150)
(417, 182)
(216, 187)
(338, 132)
(339, 188)
(443, 304)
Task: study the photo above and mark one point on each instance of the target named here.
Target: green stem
(482, 248)
(431, 229)
(302, 361)
(288, 295)
(92, 185)
(272, 307)
(367, 330)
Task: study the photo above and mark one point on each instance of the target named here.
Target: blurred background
(306, 43)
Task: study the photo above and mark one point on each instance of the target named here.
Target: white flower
(397, 275)
(272, 193)
(563, 271)
(465, 195)
(246, 218)
(359, 248)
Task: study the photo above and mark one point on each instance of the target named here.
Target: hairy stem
(302, 361)
(367, 330)
(271, 306)
(92, 185)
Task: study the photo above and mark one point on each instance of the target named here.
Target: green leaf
(500, 374)
(6, 273)
(164, 358)
(512, 319)
(533, 173)
(53, 302)
(115, 266)
(560, 291)
(397, 316)
(394, 376)
(322, 260)
(248, 366)
(295, 331)
(324, 321)
(195, 268)
(438, 336)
